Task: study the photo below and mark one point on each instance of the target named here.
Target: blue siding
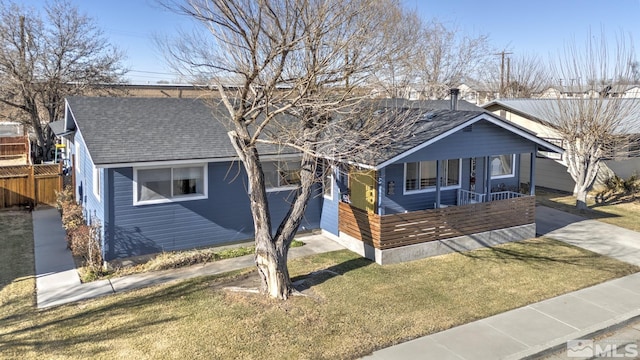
(93, 205)
(222, 218)
(397, 202)
(329, 216)
(485, 139)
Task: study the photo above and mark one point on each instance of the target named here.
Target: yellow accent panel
(363, 185)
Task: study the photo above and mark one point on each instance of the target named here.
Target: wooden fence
(395, 230)
(30, 185)
(14, 147)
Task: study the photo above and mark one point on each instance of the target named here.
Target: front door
(362, 186)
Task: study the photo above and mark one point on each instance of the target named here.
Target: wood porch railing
(395, 230)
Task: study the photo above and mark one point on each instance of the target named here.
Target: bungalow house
(551, 169)
(161, 174)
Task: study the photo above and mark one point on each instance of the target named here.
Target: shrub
(64, 197)
(83, 240)
(627, 186)
(85, 244)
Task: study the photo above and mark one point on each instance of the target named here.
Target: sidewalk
(541, 328)
(58, 283)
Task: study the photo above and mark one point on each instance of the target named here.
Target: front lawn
(355, 306)
(625, 213)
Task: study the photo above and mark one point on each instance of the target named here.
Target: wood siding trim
(396, 230)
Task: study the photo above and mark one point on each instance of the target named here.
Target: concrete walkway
(527, 332)
(58, 283)
(538, 329)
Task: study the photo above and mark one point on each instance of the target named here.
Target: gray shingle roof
(126, 130)
(57, 127)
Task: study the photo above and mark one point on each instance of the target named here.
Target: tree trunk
(272, 267)
(581, 198)
(272, 250)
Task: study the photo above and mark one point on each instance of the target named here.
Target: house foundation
(436, 247)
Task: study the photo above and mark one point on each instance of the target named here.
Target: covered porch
(399, 237)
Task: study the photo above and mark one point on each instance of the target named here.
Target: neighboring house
(476, 94)
(582, 92)
(161, 174)
(551, 170)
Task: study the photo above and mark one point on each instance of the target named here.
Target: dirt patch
(249, 283)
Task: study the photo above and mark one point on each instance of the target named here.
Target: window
(170, 184)
(422, 175)
(96, 182)
(281, 175)
(451, 175)
(502, 166)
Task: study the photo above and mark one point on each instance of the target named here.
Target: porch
(474, 222)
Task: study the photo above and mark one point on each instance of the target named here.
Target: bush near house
(82, 239)
(617, 188)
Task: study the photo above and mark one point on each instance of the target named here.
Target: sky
(539, 27)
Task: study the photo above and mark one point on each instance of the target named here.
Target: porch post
(437, 184)
(532, 174)
(381, 187)
(487, 178)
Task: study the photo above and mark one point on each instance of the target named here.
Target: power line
(502, 54)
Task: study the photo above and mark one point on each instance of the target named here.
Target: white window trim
(281, 188)
(181, 198)
(96, 183)
(431, 188)
(78, 162)
(331, 181)
(513, 168)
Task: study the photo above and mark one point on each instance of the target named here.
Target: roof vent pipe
(454, 98)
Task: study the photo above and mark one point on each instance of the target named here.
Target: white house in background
(476, 93)
(10, 128)
(551, 169)
(582, 92)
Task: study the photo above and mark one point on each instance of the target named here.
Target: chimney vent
(454, 98)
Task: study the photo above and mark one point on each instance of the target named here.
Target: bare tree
(44, 58)
(446, 58)
(525, 75)
(396, 78)
(598, 125)
(297, 67)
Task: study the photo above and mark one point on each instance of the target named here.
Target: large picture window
(281, 175)
(422, 175)
(502, 166)
(170, 184)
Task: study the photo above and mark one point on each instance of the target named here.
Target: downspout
(437, 184)
(532, 177)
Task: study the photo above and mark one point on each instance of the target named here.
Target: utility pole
(502, 55)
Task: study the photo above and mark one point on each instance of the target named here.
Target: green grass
(356, 307)
(623, 212)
